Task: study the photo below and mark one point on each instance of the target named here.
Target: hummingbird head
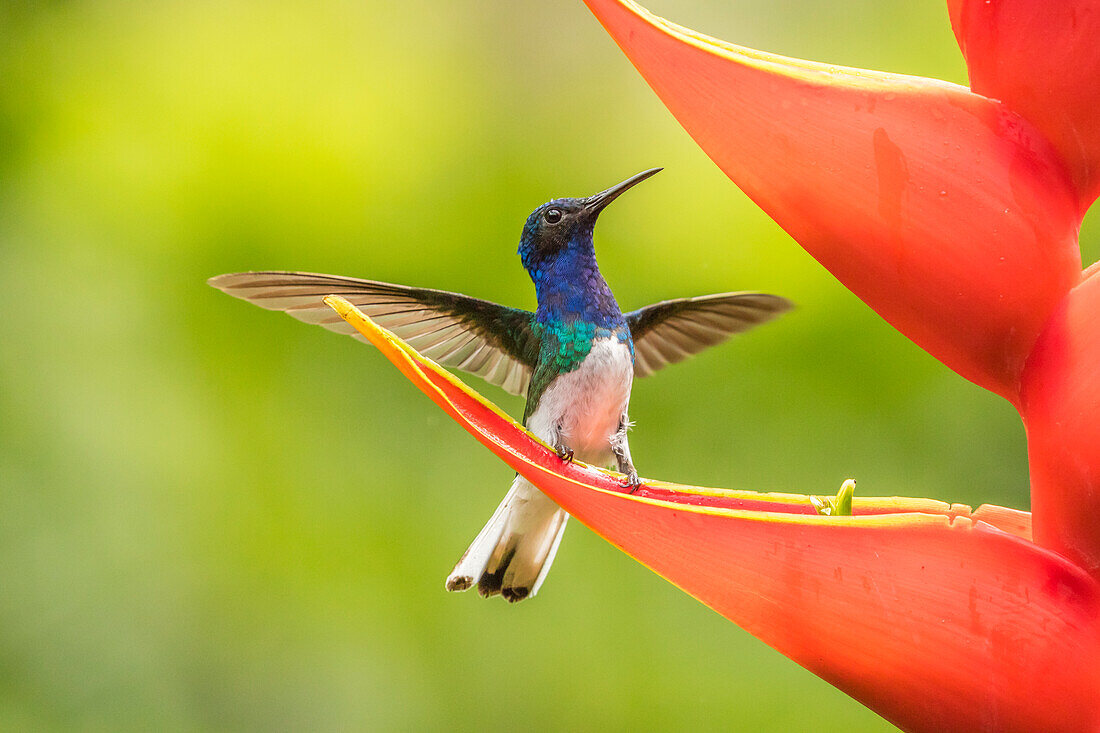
(564, 226)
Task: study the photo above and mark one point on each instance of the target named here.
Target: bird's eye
(552, 216)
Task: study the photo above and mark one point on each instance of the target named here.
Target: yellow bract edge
(394, 348)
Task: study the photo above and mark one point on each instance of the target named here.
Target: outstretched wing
(672, 330)
(494, 342)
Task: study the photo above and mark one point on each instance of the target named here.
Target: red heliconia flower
(952, 212)
(935, 616)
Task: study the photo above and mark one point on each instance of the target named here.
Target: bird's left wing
(672, 330)
(494, 342)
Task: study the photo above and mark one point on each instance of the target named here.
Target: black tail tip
(459, 583)
(515, 595)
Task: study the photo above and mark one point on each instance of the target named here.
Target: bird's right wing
(672, 330)
(494, 342)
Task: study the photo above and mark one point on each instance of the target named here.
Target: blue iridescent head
(564, 226)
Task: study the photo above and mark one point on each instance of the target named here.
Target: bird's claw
(565, 454)
(631, 482)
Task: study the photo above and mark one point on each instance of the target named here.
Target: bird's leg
(622, 455)
(564, 452)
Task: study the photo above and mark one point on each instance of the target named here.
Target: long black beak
(599, 201)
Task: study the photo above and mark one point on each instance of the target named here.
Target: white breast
(588, 402)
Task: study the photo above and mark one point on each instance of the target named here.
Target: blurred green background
(216, 518)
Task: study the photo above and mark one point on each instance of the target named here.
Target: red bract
(1042, 60)
(953, 214)
(936, 617)
(1061, 409)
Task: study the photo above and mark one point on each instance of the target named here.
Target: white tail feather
(550, 555)
(472, 563)
(514, 550)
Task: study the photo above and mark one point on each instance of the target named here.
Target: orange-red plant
(953, 213)
(935, 616)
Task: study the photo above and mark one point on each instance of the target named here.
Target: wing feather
(486, 339)
(672, 330)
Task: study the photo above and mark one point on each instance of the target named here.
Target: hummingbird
(575, 358)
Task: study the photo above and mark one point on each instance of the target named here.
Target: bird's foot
(632, 482)
(565, 454)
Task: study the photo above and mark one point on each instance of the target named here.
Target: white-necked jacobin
(576, 357)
